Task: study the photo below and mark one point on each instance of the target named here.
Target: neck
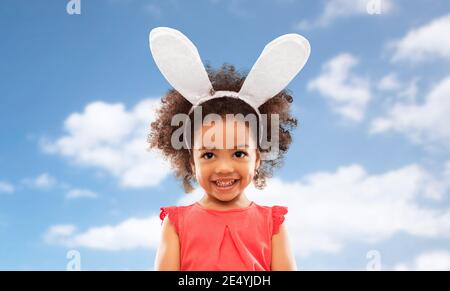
(209, 201)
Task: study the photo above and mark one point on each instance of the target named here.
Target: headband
(179, 62)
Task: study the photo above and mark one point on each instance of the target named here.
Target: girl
(224, 230)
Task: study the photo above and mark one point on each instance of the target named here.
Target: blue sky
(369, 168)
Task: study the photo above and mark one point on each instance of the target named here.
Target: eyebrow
(214, 148)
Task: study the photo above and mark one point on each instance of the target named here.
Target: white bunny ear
(178, 60)
(281, 60)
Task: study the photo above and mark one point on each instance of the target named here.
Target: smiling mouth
(222, 184)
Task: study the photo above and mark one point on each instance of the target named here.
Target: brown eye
(240, 154)
(208, 155)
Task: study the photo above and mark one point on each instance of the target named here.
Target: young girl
(224, 230)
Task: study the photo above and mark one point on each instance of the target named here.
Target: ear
(179, 62)
(280, 61)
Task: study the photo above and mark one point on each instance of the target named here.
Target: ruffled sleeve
(278, 213)
(172, 211)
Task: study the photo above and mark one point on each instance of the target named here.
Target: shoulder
(174, 215)
(275, 215)
(274, 210)
(173, 210)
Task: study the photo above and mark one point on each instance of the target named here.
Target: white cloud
(409, 91)
(389, 82)
(330, 209)
(46, 181)
(132, 233)
(436, 260)
(108, 137)
(335, 9)
(425, 123)
(81, 193)
(59, 234)
(402, 90)
(327, 210)
(348, 93)
(43, 181)
(6, 187)
(425, 43)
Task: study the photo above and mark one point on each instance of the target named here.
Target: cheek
(247, 170)
(202, 172)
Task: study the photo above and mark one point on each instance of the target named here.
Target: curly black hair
(225, 78)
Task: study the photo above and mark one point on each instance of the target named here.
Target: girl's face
(225, 172)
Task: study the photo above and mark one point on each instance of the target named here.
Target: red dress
(234, 239)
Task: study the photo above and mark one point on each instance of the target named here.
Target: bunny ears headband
(179, 61)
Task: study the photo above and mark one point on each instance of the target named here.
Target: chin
(223, 197)
(226, 199)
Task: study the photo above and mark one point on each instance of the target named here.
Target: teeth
(225, 184)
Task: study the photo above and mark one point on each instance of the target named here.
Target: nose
(223, 166)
